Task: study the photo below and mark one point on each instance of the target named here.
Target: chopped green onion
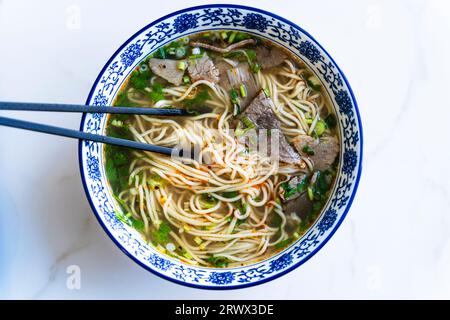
(187, 255)
(143, 67)
(234, 96)
(161, 236)
(320, 127)
(239, 132)
(155, 181)
(218, 261)
(181, 65)
(310, 194)
(289, 191)
(309, 120)
(157, 93)
(243, 90)
(266, 92)
(236, 109)
(251, 55)
(208, 201)
(308, 150)
(231, 194)
(232, 36)
(195, 56)
(256, 67)
(248, 123)
(224, 35)
(186, 79)
(242, 36)
(117, 123)
(180, 52)
(302, 185)
(184, 40)
(162, 53)
(314, 83)
(140, 80)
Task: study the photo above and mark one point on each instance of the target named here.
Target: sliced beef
(233, 77)
(325, 149)
(167, 69)
(301, 206)
(223, 68)
(260, 112)
(269, 58)
(226, 49)
(203, 69)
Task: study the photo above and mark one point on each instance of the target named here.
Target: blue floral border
(230, 17)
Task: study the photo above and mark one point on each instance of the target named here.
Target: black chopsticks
(21, 106)
(43, 128)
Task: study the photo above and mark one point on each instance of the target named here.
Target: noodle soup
(240, 206)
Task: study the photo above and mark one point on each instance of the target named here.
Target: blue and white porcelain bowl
(263, 24)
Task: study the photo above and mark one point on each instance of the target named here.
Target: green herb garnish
(234, 96)
(157, 93)
(308, 150)
(330, 120)
(200, 98)
(208, 201)
(320, 128)
(140, 80)
(130, 221)
(161, 235)
(155, 181)
(229, 195)
(218, 261)
(284, 243)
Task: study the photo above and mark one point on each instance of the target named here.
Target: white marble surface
(395, 242)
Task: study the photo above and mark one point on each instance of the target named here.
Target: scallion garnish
(234, 96)
(232, 36)
(181, 65)
(236, 109)
(308, 150)
(320, 127)
(310, 194)
(243, 90)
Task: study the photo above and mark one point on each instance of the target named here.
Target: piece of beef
(233, 78)
(325, 149)
(168, 69)
(203, 69)
(260, 112)
(269, 58)
(301, 206)
(223, 68)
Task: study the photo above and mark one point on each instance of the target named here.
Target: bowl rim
(347, 206)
